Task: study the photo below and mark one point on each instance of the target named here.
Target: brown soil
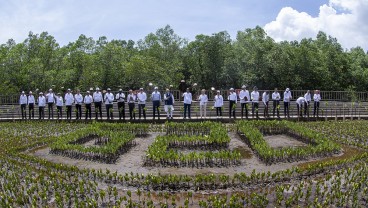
(281, 140)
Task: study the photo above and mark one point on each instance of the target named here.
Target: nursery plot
(279, 141)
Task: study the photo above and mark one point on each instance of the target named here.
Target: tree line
(163, 59)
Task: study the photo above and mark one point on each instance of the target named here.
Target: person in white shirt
(156, 101)
(244, 99)
(109, 102)
(276, 103)
(287, 98)
(23, 104)
(50, 99)
(78, 104)
(31, 103)
(97, 100)
(317, 99)
(169, 104)
(219, 102)
(265, 100)
(41, 106)
(187, 103)
(142, 97)
(120, 98)
(131, 103)
(203, 99)
(299, 104)
(88, 99)
(254, 96)
(308, 99)
(59, 106)
(233, 99)
(69, 100)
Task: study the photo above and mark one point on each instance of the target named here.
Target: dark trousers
(78, 111)
(300, 110)
(156, 107)
(98, 108)
(232, 107)
(316, 108)
(41, 112)
(68, 112)
(255, 108)
(286, 109)
(51, 110)
(142, 107)
(265, 111)
(306, 109)
(218, 111)
(109, 111)
(121, 108)
(131, 110)
(187, 109)
(59, 110)
(276, 106)
(244, 106)
(88, 111)
(31, 110)
(24, 112)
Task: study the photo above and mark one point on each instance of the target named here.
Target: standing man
(203, 99)
(59, 106)
(50, 98)
(287, 98)
(69, 100)
(308, 99)
(120, 98)
(142, 97)
(266, 99)
(41, 106)
(88, 99)
(78, 104)
(131, 103)
(187, 103)
(31, 103)
(219, 102)
(233, 99)
(23, 104)
(255, 101)
(169, 102)
(317, 99)
(97, 99)
(276, 103)
(244, 99)
(299, 104)
(109, 102)
(156, 100)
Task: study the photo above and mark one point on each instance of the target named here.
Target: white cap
(120, 89)
(69, 89)
(91, 88)
(50, 89)
(244, 86)
(30, 92)
(108, 89)
(156, 88)
(231, 88)
(41, 93)
(218, 90)
(140, 88)
(287, 89)
(87, 91)
(97, 88)
(22, 92)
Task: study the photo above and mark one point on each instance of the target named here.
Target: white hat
(50, 89)
(91, 88)
(97, 88)
(287, 89)
(120, 90)
(218, 90)
(87, 91)
(22, 92)
(69, 89)
(140, 88)
(41, 93)
(244, 86)
(108, 89)
(30, 92)
(231, 88)
(156, 88)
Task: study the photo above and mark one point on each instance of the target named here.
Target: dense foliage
(164, 59)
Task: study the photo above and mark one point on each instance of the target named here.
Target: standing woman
(131, 103)
(69, 100)
(233, 98)
(59, 106)
(308, 99)
(266, 99)
(88, 99)
(219, 102)
(41, 106)
(287, 98)
(203, 99)
(23, 104)
(276, 103)
(31, 103)
(317, 99)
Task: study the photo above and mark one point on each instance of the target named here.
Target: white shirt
(300, 101)
(233, 97)
(120, 97)
(244, 96)
(156, 96)
(41, 101)
(69, 99)
(307, 97)
(78, 98)
(97, 97)
(219, 101)
(187, 97)
(23, 99)
(142, 97)
(255, 96)
(276, 96)
(50, 97)
(317, 97)
(88, 99)
(287, 96)
(265, 98)
(31, 99)
(59, 101)
(131, 98)
(203, 99)
(109, 98)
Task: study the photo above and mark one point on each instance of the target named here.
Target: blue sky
(282, 19)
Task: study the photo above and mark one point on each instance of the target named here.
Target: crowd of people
(99, 98)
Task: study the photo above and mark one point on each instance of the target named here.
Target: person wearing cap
(276, 103)
(50, 99)
(88, 99)
(203, 99)
(219, 102)
(23, 104)
(169, 104)
(69, 100)
(120, 98)
(244, 99)
(109, 100)
(254, 96)
(187, 102)
(316, 99)
(97, 100)
(41, 106)
(265, 100)
(59, 106)
(308, 99)
(142, 97)
(299, 104)
(31, 103)
(233, 99)
(131, 98)
(156, 100)
(287, 98)
(78, 97)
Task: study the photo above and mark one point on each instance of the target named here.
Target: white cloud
(344, 19)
